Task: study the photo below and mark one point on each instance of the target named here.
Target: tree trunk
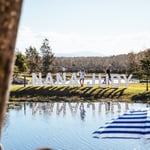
(10, 11)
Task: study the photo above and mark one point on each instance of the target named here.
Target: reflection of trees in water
(49, 108)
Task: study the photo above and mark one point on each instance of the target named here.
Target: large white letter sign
(36, 80)
(127, 80)
(93, 81)
(49, 79)
(73, 80)
(115, 77)
(101, 82)
(61, 80)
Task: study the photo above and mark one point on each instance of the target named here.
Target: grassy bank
(135, 92)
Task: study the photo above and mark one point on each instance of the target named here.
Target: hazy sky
(86, 27)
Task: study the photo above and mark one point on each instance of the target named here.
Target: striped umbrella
(133, 124)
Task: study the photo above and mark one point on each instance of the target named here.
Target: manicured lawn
(134, 92)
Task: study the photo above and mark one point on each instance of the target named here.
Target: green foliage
(145, 66)
(16, 69)
(20, 63)
(144, 97)
(47, 56)
(33, 59)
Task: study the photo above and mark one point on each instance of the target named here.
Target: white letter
(60, 79)
(36, 80)
(127, 80)
(103, 85)
(93, 81)
(115, 77)
(49, 79)
(73, 80)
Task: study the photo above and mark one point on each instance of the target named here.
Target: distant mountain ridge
(79, 54)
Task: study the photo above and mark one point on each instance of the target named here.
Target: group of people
(82, 74)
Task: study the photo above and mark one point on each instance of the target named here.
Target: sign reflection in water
(74, 107)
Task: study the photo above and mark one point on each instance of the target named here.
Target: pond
(65, 126)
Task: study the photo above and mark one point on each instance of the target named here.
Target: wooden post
(24, 80)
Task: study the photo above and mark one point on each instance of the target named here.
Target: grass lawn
(135, 92)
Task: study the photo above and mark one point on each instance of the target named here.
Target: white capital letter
(73, 80)
(103, 85)
(36, 80)
(127, 80)
(49, 79)
(60, 79)
(118, 80)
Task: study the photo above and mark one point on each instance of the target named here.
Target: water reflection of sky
(65, 126)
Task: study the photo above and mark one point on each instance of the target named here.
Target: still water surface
(65, 126)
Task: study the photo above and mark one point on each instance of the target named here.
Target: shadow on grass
(117, 93)
(144, 97)
(66, 91)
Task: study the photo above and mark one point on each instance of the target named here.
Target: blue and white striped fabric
(134, 124)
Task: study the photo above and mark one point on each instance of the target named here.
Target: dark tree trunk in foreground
(10, 11)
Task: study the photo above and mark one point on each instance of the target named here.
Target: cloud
(73, 42)
(25, 38)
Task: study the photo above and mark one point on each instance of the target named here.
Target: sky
(85, 27)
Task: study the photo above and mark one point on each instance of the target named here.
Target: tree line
(45, 61)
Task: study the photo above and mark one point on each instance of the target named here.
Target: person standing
(63, 69)
(82, 75)
(108, 73)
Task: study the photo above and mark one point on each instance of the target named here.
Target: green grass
(135, 92)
